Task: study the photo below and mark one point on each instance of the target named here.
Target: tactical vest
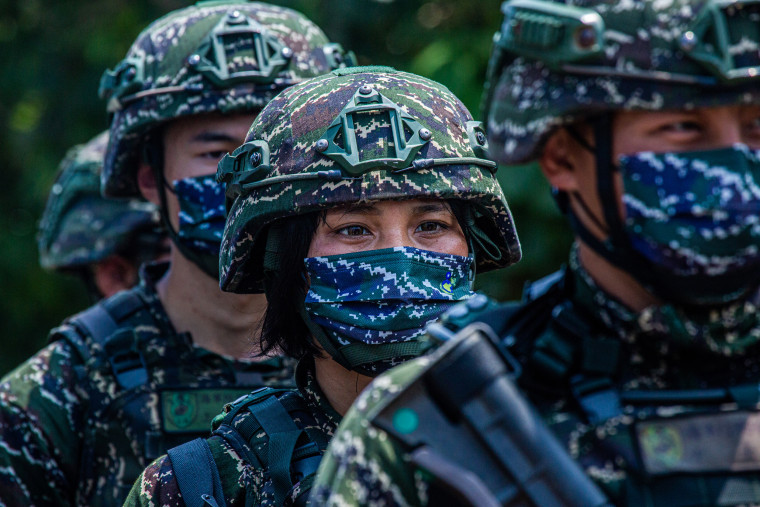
(291, 456)
(686, 447)
(141, 403)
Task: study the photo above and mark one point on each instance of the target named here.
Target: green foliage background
(52, 53)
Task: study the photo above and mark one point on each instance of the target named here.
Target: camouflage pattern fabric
(201, 212)
(79, 227)
(676, 204)
(693, 217)
(363, 465)
(244, 481)
(213, 57)
(384, 296)
(362, 301)
(636, 55)
(298, 158)
(70, 434)
(642, 446)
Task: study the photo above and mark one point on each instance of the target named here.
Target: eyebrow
(431, 208)
(210, 136)
(361, 209)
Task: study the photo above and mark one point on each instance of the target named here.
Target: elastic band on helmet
(425, 163)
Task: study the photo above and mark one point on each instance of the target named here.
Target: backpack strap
(562, 348)
(196, 474)
(95, 321)
(283, 435)
(292, 454)
(100, 324)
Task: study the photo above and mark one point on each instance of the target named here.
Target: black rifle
(465, 422)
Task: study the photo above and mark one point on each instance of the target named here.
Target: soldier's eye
(431, 227)
(214, 155)
(353, 230)
(682, 127)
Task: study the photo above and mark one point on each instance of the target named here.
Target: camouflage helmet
(79, 227)
(225, 57)
(359, 134)
(554, 63)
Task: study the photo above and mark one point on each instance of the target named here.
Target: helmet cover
(79, 227)
(356, 135)
(554, 63)
(214, 57)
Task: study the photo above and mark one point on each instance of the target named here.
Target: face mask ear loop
(562, 197)
(578, 138)
(605, 184)
(591, 215)
(153, 155)
(602, 149)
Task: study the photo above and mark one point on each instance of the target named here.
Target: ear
(114, 274)
(146, 182)
(559, 161)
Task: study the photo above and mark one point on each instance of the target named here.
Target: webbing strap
(196, 474)
(96, 322)
(283, 435)
(101, 324)
(598, 397)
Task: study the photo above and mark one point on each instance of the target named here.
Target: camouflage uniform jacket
(77, 424)
(245, 470)
(611, 351)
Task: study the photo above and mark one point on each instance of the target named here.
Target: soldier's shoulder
(156, 486)
(53, 368)
(88, 330)
(238, 420)
(363, 461)
(384, 386)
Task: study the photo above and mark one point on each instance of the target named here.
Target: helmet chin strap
(616, 249)
(610, 222)
(153, 155)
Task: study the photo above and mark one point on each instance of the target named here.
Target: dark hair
(282, 329)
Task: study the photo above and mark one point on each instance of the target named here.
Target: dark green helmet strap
(480, 243)
(272, 258)
(605, 185)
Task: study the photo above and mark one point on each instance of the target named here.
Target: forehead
(392, 206)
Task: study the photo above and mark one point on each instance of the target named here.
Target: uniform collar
(306, 381)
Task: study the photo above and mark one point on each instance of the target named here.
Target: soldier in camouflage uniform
(361, 203)
(145, 370)
(642, 356)
(103, 241)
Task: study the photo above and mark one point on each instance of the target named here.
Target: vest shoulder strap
(197, 474)
(101, 327)
(291, 455)
(562, 350)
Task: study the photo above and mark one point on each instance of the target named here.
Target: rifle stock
(465, 422)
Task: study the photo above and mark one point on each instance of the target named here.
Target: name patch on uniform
(702, 443)
(191, 410)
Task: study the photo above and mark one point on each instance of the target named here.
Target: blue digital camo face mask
(201, 220)
(372, 307)
(695, 216)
